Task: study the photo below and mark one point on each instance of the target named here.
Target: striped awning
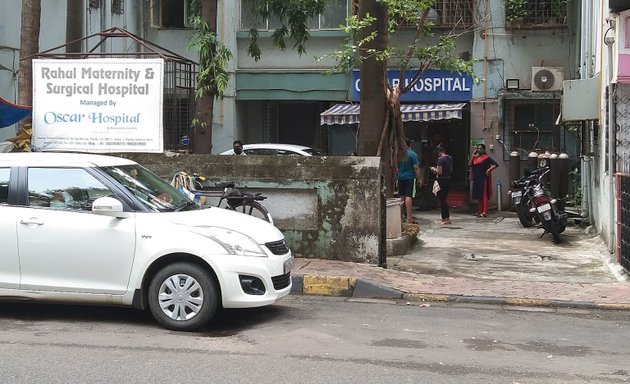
(349, 113)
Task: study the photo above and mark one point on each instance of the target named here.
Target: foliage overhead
(419, 54)
(293, 17)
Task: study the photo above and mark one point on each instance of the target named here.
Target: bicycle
(230, 197)
(244, 202)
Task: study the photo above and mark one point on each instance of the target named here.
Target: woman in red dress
(482, 166)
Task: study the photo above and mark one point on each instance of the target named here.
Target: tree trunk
(74, 25)
(373, 85)
(202, 133)
(29, 45)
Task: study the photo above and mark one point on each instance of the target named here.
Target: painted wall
(327, 207)
(598, 58)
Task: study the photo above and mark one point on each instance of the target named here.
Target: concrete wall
(327, 207)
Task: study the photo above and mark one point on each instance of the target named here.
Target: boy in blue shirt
(408, 177)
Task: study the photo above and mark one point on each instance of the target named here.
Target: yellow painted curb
(329, 285)
(527, 302)
(624, 307)
(426, 297)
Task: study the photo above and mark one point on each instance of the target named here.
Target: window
(170, 13)
(4, 185)
(452, 13)
(446, 14)
(118, 6)
(333, 17)
(260, 151)
(536, 12)
(64, 188)
(530, 125)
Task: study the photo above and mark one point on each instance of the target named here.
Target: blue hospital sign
(434, 85)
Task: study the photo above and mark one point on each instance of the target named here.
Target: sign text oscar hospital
(433, 86)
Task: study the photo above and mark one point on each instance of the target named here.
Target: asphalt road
(306, 339)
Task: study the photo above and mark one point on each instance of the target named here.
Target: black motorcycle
(520, 195)
(534, 204)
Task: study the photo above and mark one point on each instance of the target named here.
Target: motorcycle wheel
(524, 216)
(553, 229)
(561, 227)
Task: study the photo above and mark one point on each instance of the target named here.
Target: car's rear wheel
(183, 297)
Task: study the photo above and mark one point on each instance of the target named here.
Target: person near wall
(482, 166)
(443, 171)
(237, 146)
(408, 177)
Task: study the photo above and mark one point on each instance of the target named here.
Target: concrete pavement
(489, 260)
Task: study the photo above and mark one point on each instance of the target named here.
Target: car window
(260, 151)
(4, 185)
(64, 188)
(284, 152)
(312, 151)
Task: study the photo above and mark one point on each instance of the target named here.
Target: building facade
(521, 55)
(600, 102)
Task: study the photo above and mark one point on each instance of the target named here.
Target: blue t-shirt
(405, 168)
(446, 162)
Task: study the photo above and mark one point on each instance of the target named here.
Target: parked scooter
(534, 204)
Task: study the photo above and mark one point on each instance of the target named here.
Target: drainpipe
(611, 138)
(586, 11)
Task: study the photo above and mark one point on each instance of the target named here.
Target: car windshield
(313, 152)
(155, 193)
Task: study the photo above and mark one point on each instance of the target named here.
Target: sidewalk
(480, 260)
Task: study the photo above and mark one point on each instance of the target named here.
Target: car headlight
(234, 243)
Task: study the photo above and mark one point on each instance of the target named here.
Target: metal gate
(622, 168)
(623, 220)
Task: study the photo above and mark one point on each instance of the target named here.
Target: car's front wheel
(183, 297)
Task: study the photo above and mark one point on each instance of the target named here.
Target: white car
(276, 149)
(97, 229)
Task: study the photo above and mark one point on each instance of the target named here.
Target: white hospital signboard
(98, 105)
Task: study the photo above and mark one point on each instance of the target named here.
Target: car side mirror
(108, 206)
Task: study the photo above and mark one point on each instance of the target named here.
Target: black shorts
(405, 187)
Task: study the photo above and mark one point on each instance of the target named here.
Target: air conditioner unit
(547, 78)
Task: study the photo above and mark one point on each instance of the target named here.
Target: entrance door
(298, 123)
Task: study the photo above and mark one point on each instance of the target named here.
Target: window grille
(118, 7)
(530, 125)
(448, 14)
(622, 128)
(453, 13)
(333, 17)
(536, 12)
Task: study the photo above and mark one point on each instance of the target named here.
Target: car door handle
(31, 221)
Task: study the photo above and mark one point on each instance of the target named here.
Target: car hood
(258, 229)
